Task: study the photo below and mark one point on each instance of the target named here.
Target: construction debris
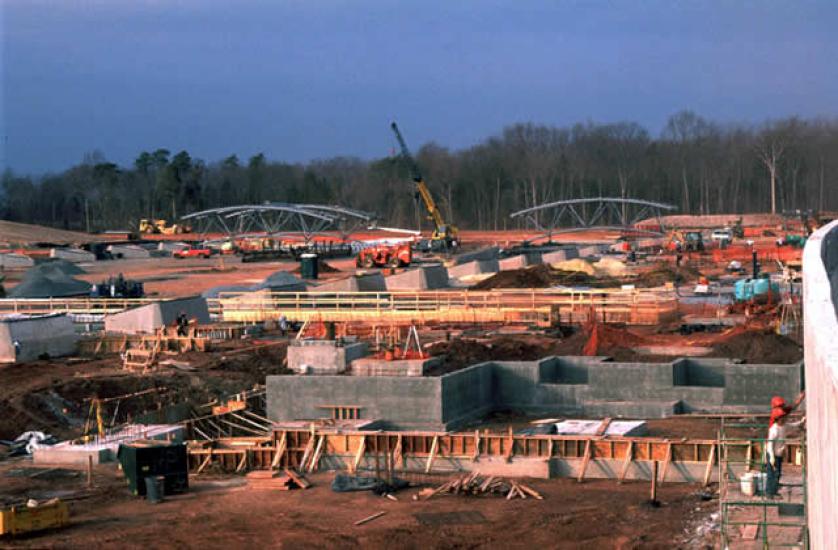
(269, 479)
(476, 484)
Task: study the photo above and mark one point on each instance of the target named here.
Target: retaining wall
(53, 335)
(554, 385)
(150, 317)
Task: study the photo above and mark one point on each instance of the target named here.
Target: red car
(193, 252)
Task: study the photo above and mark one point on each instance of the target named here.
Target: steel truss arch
(274, 219)
(600, 213)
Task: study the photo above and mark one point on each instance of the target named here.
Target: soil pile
(663, 273)
(543, 276)
(758, 347)
(322, 267)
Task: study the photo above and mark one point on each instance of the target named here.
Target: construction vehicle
(161, 227)
(685, 241)
(445, 235)
(383, 255)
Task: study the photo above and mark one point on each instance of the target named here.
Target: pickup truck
(193, 252)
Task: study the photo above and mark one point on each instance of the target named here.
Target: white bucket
(746, 482)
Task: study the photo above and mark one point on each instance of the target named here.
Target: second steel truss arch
(608, 213)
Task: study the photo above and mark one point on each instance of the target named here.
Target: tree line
(698, 165)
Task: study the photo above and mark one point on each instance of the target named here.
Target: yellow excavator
(445, 235)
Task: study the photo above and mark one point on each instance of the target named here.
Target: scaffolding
(751, 519)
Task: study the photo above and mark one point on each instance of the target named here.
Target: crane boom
(442, 231)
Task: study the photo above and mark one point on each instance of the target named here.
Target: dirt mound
(322, 267)
(663, 273)
(543, 276)
(758, 347)
(24, 233)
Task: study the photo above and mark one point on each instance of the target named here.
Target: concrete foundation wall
(820, 310)
(400, 401)
(53, 335)
(566, 385)
(148, 318)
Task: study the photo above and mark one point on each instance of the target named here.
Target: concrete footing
(369, 366)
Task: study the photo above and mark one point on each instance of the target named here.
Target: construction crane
(445, 235)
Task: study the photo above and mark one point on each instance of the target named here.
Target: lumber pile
(476, 484)
(276, 481)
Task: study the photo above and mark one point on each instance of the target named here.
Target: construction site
(604, 377)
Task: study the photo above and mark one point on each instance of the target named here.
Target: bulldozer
(382, 255)
(154, 226)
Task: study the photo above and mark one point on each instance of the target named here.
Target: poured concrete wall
(401, 401)
(554, 385)
(820, 310)
(53, 335)
(149, 318)
(517, 262)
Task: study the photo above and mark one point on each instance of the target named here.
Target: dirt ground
(222, 512)
(52, 396)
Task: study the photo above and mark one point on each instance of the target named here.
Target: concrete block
(561, 255)
(323, 356)
(150, 317)
(15, 261)
(36, 335)
(369, 366)
(473, 268)
(128, 251)
(514, 262)
(373, 282)
(74, 255)
(421, 278)
(484, 254)
(104, 449)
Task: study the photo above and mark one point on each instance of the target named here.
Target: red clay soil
(220, 512)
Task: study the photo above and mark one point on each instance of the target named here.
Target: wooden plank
(315, 460)
(205, 462)
(242, 462)
(359, 453)
(709, 470)
(307, 452)
(666, 462)
(629, 458)
(280, 450)
(301, 481)
(585, 460)
(476, 454)
(603, 427)
(398, 458)
(432, 455)
(370, 518)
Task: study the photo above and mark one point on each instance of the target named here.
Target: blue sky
(309, 79)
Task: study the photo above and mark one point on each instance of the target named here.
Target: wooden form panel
(296, 448)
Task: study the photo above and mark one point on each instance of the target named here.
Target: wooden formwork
(303, 448)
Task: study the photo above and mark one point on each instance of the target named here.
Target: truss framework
(605, 213)
(275, 219)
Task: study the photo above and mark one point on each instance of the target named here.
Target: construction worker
(182, 324)
(775, 444)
